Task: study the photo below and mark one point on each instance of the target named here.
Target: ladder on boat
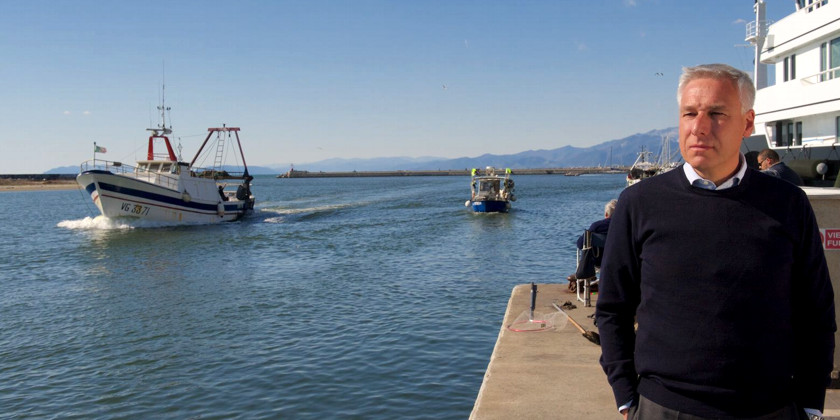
(220, 151)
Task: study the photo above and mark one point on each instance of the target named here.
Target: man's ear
(748, 129)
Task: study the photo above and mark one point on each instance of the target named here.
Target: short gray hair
(742, 80)
(609, 208)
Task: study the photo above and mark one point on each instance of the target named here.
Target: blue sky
(313, 80)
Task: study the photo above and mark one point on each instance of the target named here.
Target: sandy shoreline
(31, 185)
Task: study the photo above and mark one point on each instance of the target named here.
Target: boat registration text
(134, 209)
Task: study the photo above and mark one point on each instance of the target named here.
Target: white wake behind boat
(163, 188)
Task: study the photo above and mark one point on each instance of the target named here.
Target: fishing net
(531, 320)
(538, 321)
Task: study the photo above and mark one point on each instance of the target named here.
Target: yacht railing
(822, 76)
(756, 29)
(819, 141)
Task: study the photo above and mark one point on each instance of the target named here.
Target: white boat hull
(199, 203)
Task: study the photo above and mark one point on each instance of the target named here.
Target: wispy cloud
(630, 3)
(739, 22)
(581, 46)
(66, 112)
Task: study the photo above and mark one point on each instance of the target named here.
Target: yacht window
(780, 135)
(785, 134)
(789, 141)
(834, 53)
(837, 130)
(790, 68)
(798, 138)
(823, 61)
(787, 62)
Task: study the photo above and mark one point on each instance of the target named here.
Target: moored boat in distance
(646, 167)
(165, 189)
(642, 168)
(797, 107)
(490, 192)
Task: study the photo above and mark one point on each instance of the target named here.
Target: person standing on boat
(723, 268)
(601, 226)
(770, 163)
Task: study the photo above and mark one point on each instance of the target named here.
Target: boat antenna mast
(756, 35)
(162, 128)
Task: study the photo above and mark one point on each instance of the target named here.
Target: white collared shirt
(700, 182)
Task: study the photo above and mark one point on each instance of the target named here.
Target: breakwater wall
(464, 172)
(39, 177)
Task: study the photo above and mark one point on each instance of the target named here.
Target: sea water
(373, 298)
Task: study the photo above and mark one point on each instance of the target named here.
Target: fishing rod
(589, 335)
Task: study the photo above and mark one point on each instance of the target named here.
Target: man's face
(764, 162)
(712, 126)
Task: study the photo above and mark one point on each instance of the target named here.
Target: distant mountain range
(620, 152)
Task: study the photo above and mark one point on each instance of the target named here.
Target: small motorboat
(491, 192)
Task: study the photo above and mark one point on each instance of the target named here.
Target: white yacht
(797, 79)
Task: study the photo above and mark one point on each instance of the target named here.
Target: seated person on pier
(600, 227)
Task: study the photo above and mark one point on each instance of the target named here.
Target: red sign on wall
(830, 238)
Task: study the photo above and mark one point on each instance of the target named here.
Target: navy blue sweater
(731, 292)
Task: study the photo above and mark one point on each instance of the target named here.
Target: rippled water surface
(375, 298)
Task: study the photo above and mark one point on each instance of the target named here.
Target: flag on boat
(99, 149)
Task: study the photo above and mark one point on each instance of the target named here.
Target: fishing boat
(646, 166)
(797, 106)
(643, 167)
(491, 192)
(165, 189)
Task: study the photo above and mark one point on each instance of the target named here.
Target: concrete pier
(545, 375)
(555, 374)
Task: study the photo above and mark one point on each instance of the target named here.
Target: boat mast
(756, 34)
(162, 130)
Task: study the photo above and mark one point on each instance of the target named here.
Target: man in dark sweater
(770, 163)
(722, 267)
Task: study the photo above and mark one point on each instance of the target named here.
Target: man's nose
(702, 125)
